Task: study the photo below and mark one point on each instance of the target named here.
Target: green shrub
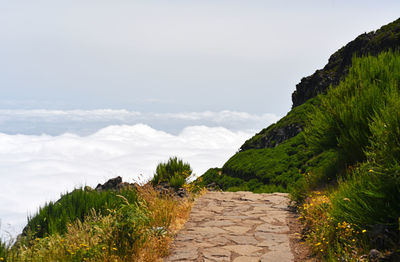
(342, 121)
(370, 196)
(54, 217)
(177, 181)
(385, 130)
(130, 227)
(175, 169)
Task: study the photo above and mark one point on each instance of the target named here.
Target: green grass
(369, 196)
(297, 116)
(359, 120)
(175, 172)
(54, 217)
(279, 166)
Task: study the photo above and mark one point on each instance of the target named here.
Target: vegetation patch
(127, 224)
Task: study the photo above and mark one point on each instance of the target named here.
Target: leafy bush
(385, 130)
(175, 172)
(370, 196)
(342, 121)
(54, 217)
(130, 227)
(177, 181)
(360, 121)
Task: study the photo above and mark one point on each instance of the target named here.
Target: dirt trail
(240, 226)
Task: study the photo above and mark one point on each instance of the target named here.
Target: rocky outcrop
(387, 37)
(274, 137)
(115, 184)
(164, 188)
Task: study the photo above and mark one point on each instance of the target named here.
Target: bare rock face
(373, 43)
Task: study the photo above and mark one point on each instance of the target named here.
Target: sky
(93, 89)
(172, 56)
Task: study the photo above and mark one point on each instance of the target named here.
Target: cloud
(37, 168)
(57, 122)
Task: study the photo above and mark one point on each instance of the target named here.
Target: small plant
(175, 172)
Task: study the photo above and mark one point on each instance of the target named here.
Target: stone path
(239, 227)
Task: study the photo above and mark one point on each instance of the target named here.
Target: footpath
(235, 226)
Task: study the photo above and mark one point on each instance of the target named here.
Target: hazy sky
(172, 56)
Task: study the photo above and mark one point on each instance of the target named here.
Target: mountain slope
(275, 158)
(373, 43)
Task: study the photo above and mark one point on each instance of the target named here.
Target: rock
(244, 250)
(217, 254)
(110, 184)
(382, 236)
(212, 187)
(238, 229)
(164, 188)
(88, 188)
(273, 136)
(372, 43)
(181, 192)
(246, 259)
(374, 255)
(186, 254)
(115, 184)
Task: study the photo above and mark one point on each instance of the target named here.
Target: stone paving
(239, 227)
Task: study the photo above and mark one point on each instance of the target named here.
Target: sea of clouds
(85, 122)
(44, 153)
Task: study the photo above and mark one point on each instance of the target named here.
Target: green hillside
(277, 156)
(350, 149)
(337, 152)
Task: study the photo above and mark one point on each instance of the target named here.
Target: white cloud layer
(37, 168)
(85, 122)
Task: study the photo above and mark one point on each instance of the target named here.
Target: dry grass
(166, 212)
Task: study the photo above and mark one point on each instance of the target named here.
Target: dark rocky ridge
(373, 43)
